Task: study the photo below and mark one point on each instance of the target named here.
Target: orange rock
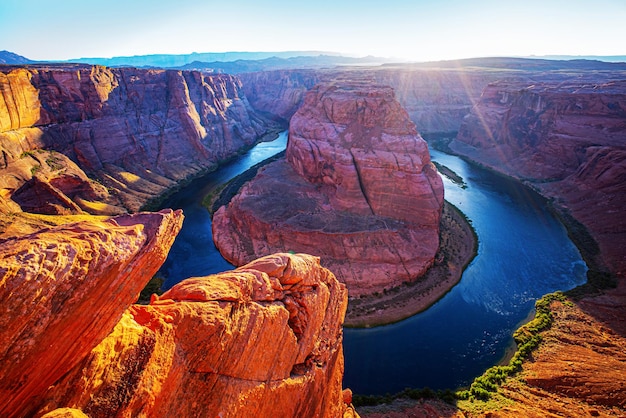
(263, 340)
(63, 289)
(357, 189)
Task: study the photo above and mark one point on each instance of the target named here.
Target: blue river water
(523, 253)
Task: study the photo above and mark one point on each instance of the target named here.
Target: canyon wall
(567, 140)
(356, 188)
(137, 132)
(436, 100)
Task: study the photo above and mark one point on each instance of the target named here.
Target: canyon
(83, 145)
(356, 188)
(125, 135)
(568, 141)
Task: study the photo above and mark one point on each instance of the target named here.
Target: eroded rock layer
(63, 289)
(356, 188)
(263, 340)
(568, 140)
(137, 131)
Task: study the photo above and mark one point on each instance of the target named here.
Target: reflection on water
(523, 253)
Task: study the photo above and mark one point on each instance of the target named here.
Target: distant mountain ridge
(275, 63)
(179, 60)
(10, 58)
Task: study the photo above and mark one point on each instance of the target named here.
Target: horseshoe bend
(84, 148)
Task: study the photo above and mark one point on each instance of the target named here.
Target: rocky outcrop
(263, 340)
(138, 132)
(280, 92)
(568, 140)
(63, 289)
(356, 188)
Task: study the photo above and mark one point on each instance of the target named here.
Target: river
(523, 253)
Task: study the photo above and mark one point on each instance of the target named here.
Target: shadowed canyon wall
(436, 100)
(567, 140)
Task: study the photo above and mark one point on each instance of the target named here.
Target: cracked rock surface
(356, 188)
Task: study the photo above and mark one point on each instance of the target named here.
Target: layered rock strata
(568, 140)
(356, 188)
(63, 289)
(136, 131)
(264, 340)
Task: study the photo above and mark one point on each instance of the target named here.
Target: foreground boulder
(264, 340)
(356, 188)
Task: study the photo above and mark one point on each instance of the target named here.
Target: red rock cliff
(436, 100)
(264, 340)
(63, 289)
(137, 131)
(568, 140)
(357, 188)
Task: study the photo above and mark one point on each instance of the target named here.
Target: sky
(416, 30)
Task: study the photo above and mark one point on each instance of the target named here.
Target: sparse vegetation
(484, 387)
(153, 287)
(35, 169)
(527, 339)
(451, 174)
(54, 162)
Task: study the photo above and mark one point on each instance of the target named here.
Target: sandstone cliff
(436, 100)
(356, 188)
(138, 132)
(63, 289)
(264, 340)
(568, 140)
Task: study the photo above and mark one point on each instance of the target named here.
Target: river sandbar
(457, 247)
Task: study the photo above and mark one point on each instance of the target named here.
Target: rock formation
(436, 100)
(138, 132)
(63, 289)
(356, 188)
(568, 140)
(265, 339)
(279, 93)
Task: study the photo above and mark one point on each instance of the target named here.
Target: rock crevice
(356, 188)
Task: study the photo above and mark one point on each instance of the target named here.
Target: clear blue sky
(411, 29)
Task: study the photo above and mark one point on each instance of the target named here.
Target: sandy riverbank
(458, 246)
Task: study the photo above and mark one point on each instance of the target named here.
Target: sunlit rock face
(263, 340)
(63, 289)
(137, 131)
(568, 140)
(356, 188)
